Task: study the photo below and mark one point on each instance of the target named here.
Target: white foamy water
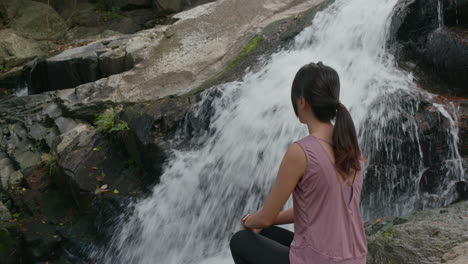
(204, 191)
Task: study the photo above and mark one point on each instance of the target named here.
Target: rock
(4, 213)
(426, 238)
(68, 137)
(78, 66)
(11, 245)
(65, 124)
(124, 25)
(446, 55)
(173, 6)
(42, 240)
(67, 70)
(6, 170)
(141, 16)
(37, 131)
(13, 79)
(114, 62)
(435, 50)
(123, 4)
(457, 255)
(28, 159)
(91, 158)
(157, 52)
(16, 180)
(36, 20)
(434, 130)
(15, 49)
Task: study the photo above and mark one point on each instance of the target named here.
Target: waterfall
(205, 190)
(440, 11)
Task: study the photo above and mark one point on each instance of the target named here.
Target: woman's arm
(285, 217)
(291, 170)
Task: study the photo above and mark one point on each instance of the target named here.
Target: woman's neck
(319, 129)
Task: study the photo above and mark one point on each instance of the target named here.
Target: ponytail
(320, 86)
(345, 142)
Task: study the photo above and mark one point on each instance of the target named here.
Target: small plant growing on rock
(108, 10)
(108, 122)
(50, 165)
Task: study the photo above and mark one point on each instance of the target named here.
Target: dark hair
(320, 86)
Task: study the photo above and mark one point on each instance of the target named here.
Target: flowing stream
(204, 191)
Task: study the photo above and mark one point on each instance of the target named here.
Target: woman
(324, 172)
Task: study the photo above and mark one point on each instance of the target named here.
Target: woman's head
(316, 88)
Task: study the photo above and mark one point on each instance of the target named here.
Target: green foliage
(50, 165)
(108, 122)
(2, 68)
(16, 215)
(108, 9)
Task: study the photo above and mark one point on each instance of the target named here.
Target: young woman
(324, 173)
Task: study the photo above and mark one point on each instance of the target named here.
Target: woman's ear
(302, 102)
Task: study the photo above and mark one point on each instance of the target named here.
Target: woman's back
(328, 226)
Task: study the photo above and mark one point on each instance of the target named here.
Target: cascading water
(204, 191)
(440, 11)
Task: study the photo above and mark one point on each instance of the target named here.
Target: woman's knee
(239, 239)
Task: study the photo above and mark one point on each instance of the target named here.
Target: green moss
(245, 51)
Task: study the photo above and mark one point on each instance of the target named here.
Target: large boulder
(424, 237)
(433, 45)
(36, 20)
(15, 49)
(78, 66)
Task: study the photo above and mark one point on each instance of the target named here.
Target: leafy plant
(108, 9)
(50, 165)
(108, 122)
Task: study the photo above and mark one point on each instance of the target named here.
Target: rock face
(63, 180)
(36, 20)
(78, 66)
(15, 50)
(433, 236)
(435, 46)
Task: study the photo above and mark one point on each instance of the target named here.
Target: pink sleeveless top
(328, 227)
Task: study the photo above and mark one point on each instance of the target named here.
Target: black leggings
(271, 246)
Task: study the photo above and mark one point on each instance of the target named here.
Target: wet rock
(67, 70)
(78, 66)
(91, 160)
(42, 241)
(436, 51)
(4, 213)
(446, 54)
(426, 238)
(12, 245)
